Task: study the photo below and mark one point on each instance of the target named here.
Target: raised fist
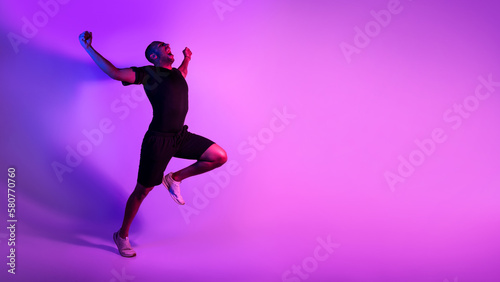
(85, 39)
(187, 53)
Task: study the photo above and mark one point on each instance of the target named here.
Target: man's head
(159, 53)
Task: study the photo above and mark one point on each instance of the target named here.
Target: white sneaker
(173, 188)
(123, 246)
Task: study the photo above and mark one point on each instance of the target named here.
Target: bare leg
(134, 201)
(212, 158)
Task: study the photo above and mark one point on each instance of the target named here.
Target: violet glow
(315, 103)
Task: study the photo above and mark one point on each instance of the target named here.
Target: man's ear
(153, 56)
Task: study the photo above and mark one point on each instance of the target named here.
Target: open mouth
(169, 52)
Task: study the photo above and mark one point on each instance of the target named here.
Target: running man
(167, 135)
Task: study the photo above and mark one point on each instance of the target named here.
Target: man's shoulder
(140, 74)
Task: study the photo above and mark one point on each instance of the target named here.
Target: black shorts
(158, 148)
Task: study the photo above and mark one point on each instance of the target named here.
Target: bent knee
(221, 158)
(215, 155)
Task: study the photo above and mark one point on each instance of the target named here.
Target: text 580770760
(11, 221)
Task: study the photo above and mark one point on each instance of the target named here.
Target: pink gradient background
(322, 175)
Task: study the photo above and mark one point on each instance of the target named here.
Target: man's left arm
(183, 68)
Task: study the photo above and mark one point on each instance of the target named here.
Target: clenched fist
(85, 39)
(187, 53)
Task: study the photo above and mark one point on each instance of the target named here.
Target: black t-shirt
(167, 91)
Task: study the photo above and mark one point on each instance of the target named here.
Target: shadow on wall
(39, 84)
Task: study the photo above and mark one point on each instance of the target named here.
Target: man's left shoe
(123, 246)
(173, 188)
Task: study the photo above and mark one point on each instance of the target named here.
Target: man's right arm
(126, 75)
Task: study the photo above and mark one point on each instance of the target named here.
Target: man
(167, 135)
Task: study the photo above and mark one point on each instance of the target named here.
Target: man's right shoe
(173, 188)
(123, 246)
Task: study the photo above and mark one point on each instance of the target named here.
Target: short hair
(150, 50)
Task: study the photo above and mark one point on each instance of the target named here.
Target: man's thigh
(156, 152)
(193, 146)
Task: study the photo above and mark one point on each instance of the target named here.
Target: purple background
(318, 175)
